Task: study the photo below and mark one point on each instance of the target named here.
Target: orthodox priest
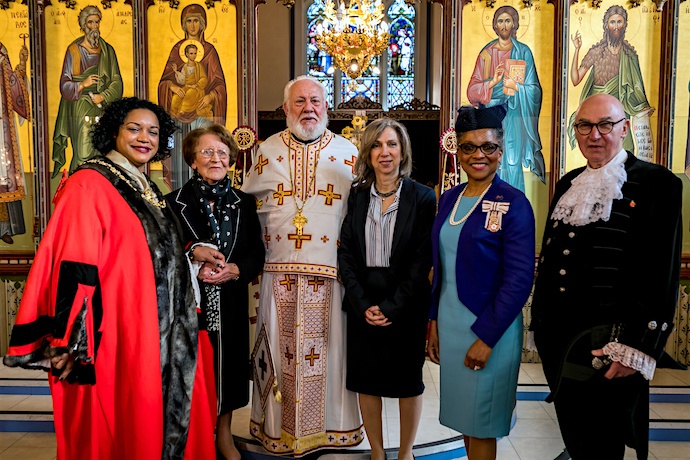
(301, 179)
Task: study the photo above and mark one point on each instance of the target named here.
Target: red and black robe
(110, 282)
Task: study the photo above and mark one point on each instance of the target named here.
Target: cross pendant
(299, 221)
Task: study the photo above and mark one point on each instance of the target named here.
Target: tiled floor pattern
(534, 437)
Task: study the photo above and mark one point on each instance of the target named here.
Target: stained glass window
(367, 86)
(401, 53)
(318, 62)
(399, 63)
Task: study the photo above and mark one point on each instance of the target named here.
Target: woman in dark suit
(220, 226)
(384, 261)
(483, 249)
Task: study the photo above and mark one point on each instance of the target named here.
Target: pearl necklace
(454, 222)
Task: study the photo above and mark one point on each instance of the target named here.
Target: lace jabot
(591, 194)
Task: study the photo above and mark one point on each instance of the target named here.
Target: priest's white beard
(306, 134)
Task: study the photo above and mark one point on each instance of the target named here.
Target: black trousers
(598, 418)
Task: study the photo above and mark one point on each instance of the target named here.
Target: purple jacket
(494, 270)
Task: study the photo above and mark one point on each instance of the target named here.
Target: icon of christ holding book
(505, 74)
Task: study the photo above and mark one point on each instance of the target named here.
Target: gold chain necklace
(149, 195)
(451, 219)
(299, 221)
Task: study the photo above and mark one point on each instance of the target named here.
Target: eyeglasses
(208, 153)
(604, 127)
(487, 149)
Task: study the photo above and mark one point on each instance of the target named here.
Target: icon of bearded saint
(615, 65)
(90, 78)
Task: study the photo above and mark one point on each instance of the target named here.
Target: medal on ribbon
(494, 217)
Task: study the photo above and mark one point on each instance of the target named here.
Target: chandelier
(353, 36)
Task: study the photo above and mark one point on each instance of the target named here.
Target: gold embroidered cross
(351, 163)
(315, 283)
(260, 163)
(280, 194)
(330, 195)
(298, 237)
(311, 357)
(287, 282)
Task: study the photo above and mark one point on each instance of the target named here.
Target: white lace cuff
(631, 357)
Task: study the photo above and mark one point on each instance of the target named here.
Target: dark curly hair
(105, 132)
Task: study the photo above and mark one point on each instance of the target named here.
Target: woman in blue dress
(483, 250)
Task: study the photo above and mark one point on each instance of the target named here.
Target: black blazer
(410, 264)
(247, 249)
(623, 271)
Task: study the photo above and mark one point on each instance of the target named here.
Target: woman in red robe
(109, 307)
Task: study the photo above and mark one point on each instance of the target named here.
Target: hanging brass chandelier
(353, 35)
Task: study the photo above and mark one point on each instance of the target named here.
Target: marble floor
(26, 410)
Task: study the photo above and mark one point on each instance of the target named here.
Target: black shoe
(7, 239)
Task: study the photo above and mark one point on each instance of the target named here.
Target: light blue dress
(476, 403)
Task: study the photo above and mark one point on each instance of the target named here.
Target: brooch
(494, 216)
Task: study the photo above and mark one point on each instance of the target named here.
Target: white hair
(286, 91)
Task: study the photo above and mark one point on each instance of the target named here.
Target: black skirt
(387, 360)
(232, 366)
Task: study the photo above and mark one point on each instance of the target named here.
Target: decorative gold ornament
(354, 133)
(353, 35)
(245, 137)
(449, 142)
(148, 194)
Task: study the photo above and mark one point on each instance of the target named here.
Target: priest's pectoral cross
(299, 221)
